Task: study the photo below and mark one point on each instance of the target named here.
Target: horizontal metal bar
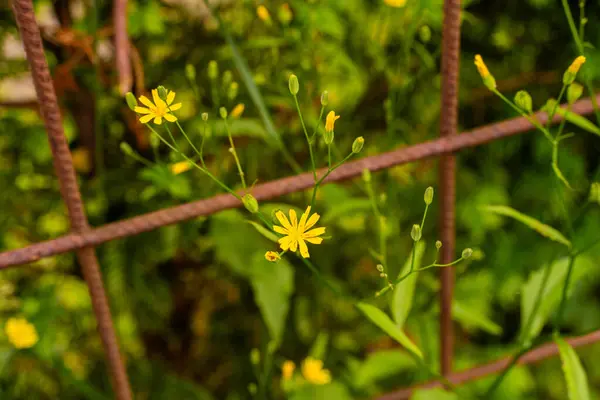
(278, 187)
(538, 354)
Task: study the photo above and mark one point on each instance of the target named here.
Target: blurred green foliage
(191, 301)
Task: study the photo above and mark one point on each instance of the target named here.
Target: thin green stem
(320, 277)
(235, 155)
(318, 123)
(531, 119)
(140, 158)
(308, 139)
(555, 106)
(513, 362)
(325, 175)
(329, 155)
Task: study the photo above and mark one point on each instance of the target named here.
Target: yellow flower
(395, 3)
(272, 256)
(263, 13)
(180, 167)
(314, 373)
(237, 111)
(330, 121)
(481, 67)
(287, 370)
(574, 67)
(297, 233)
(159, 109)
(21, 333)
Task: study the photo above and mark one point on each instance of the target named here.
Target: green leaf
(330, 391)
(575, 375)
(468, 317)
(382, 365)
(264, 231)
(241, 127)
(550, 296)
(319, 347)
(433, 394)
(384, 322)
(402, 298)
(351, 207)
(542, 229)
(579, 121)
(273, 284)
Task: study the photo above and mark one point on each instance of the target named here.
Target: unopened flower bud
(438, 244)
(358, 144)
(574, 92)
(131, 101)
(154, 141)
(223, 112)
(366, 175)
(250, 203)
(126, 148)
(428, 197)
(204, 116)
(190, 72)
(263, 13)
(227, 78)
(233, 90)
(379, 267)
(255, 356)
(328, 137)
(415, 233)
(571, 72)
(467, 253)
(488, 79)
(595, 193)
(324, 98)
(285, 14)
(162, 92)
(213, 70)
(237, 111)
(294, 85)
(523, 101)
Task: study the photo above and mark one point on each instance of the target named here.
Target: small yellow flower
(395, 3)
(180, 167)
(297, 233)
(159, 109)
(237, 111)
(272, 256)
(21, 333)
(330, 121)
(481, 67)
(263, 13)
(287, 370)
(574, 67)
(313, 372)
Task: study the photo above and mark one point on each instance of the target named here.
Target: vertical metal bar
(448, 126)
(122, 60)
(63, 165)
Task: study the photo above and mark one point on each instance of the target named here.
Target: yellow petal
(157, 100)
(315, 240)
(313, 233)
(146, 118)
(281, 230)
(312, 221)
(303, 249)
(293, 218)
(158, 120)
(170, 117)
(146, 101)
(303, 219)
(283, 220)
(175, 107)
(170, 97)
(293, 245)
(142, 110)
(284, 243)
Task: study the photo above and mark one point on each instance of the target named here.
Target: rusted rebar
(122, 51)
(63, 165)
(457, 378)
(447, 180)
(279, 187)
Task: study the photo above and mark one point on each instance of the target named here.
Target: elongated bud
(250, 203)
(204, 116)
(574, 92)
(162, 92)
(263, 13)
(285, 14)
(294, 85)
(223, 112)
(415, 233)
(233, 90)
(438, 244)
(324, 98)
(488, 79)
(467, 253)
(523, 101)
(190, 72)
(126, 148)
(595, 193)
(131, 101)
(213, 70)
(227, 78)
(237, 111)
(428, 197)
(366, 175)
(328, 137)
(255, 356)
(571, 72)
(358, 144)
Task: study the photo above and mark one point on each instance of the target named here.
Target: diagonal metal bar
(457, 378)
(63, 165)
(279, 187)
(447, 177)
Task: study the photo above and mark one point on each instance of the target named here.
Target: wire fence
(84, 238)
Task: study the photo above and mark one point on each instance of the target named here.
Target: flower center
(160, 110)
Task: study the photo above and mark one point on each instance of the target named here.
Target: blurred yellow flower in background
(313, 371)
(395, 3)
(287, 370)
(21, 333)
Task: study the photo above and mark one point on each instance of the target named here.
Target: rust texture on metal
(457, 378)
(272, 189)
(63, 165)
(122, 51)
(447, 174)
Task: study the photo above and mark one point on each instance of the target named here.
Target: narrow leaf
(384, 322)
(579, 121)
(264, 231)
(575, 375)
(402, 298)
(542, 229)
(470, 318)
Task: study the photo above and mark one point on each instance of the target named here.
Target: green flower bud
(379, 267)
(284, 14)
(328, 137)
(428, 195)
(523, 101)
(358, 144)
(438, 244)
(415, 233)
(162, 92)
(425, 33)
(154, 141)
(227, 78)
(190, 72)
(126, 148)
(595, 193)
(131, 101)
(574, 92)
(204, 116)
(571, 72)
(233, 91)
(324, 98)
(366, 175)
(255, 356)
(250, 203)
(213, 70)
(293, 84)
(467, 253)
(223, 112)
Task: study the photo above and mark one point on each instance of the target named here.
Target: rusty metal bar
(122, 60)
(447, 177)
(63, 165)
(272, 189)
(538, 354)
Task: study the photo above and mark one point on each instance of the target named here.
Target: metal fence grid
(84, 238)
